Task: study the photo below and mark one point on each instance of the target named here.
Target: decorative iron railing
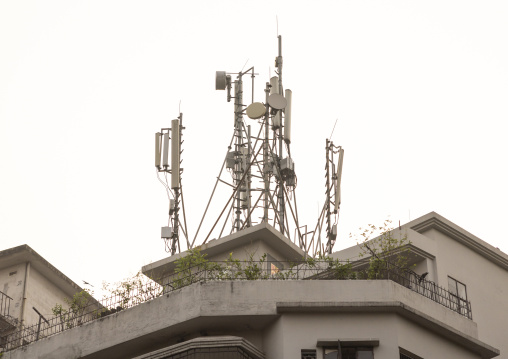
(5, 305)
(233, 270)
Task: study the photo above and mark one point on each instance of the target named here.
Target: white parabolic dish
(277, 101)
(256, 110)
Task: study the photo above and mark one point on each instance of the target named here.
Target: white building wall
(486, 285)
(11, 283)
(427, 344)
(301, 331)
(43, 295)
(273, 339)
(254, 250)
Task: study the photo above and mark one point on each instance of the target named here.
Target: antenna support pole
(248, 179)
(175, 238)
(266, 157)
(239, 157)
(278, 63)
(328, 214)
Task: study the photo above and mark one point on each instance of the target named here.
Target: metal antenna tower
(330, 211)
(171, 232)
(265, 155)
(263, 178)
(278, 64)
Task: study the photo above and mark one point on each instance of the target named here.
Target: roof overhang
(24, 253)
(262, 232)
(435, 221)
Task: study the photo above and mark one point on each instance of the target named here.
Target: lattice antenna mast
(263, 153)
(278, 64)
(164, 140)
(238, 160)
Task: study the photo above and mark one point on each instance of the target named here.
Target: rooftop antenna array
(164, 140)
(263, 178)
(261, 166)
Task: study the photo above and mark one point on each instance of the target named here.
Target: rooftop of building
(24, 253)
(283, 269)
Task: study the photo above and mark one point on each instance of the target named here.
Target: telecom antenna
(170, 233)
(333, 179)
(261, 166)
(262, 178)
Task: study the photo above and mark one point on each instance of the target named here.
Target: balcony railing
(7, 322)
(5, 305)
(133, 295)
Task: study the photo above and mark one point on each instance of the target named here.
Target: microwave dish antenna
(258, 159)
(277, 102)
(256, 110)
(221, 80)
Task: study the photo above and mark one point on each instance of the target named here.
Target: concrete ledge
(206, 343)
(352, 342)
(246, 304)
(431, 323)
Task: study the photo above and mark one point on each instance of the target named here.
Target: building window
(274, 266)
(458, 295)
(348, 353)
(404, 354)
(309, 354)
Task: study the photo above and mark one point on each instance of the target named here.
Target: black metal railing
(431, 290)
(133, 295)
(5, 305)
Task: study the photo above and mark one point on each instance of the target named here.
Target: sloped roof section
(435, 221)
(24, 253)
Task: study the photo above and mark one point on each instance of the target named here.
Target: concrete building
(28, 281)
(452, 304)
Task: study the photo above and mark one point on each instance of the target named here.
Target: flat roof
(24, 253)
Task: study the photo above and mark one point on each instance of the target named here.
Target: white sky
(419, 89)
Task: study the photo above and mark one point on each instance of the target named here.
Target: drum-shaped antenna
(256, 110)
(276, 120)
(274, 84)
(220, 80)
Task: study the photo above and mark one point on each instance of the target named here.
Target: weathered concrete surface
(250, 243)
(447, 250)
(26, 274)
(258, 306)
(218, 343)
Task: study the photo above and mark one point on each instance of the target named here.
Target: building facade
(265, 303)
(29, 286)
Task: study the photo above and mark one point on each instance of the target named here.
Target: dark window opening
(274, 266)
(309, 354)
(404, 354)
(212, 353)
(349, 353)
(458, 295)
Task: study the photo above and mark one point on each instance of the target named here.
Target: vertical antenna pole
(176, 222)
(266, 156)
(176, 128)
(238, 149)
(248, 179)
(328, 214)
(252, 77)
(278, 62)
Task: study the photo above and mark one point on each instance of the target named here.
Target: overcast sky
(419, 89)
